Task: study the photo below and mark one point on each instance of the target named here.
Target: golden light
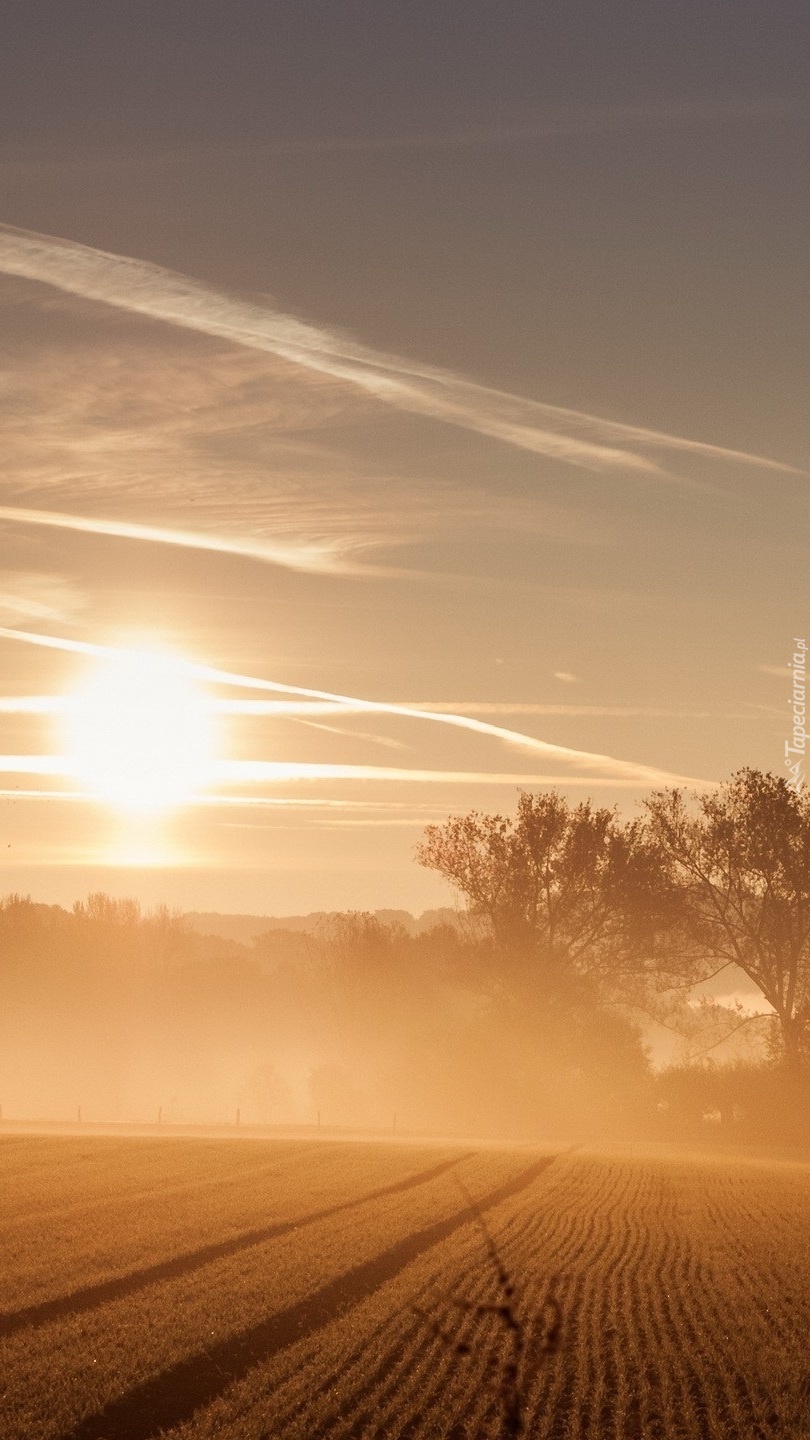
(138, 734)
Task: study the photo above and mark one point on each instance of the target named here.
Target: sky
(365, 359)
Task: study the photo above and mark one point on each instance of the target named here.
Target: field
(251, 1288)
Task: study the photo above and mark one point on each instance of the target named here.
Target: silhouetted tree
(573, 887)
(572, 898)
(740, 863)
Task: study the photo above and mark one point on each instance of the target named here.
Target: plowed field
(250, 1289)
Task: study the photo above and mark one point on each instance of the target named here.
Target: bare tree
(740, 861)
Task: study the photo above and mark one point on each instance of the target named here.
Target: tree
(740, 865)
(100, 909)
(572, 886)
(570, 898)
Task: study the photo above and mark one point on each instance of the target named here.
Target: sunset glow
(385, 434)
(138, 734)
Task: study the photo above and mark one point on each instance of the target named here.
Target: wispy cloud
(200, 445)
(32, 596)
(175, 433)
(607, 767)
(321, 558)
(307, 709)
(557, 123)
(464, 707)
(368, 736)
(418, 813)
(277, 772)
(571, 436)
(505, 707)
(546, 124)
(560, 122)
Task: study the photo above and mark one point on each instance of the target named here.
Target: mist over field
(362, 1024)
(526, 1014)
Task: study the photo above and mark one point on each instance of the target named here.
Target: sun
(139, 734)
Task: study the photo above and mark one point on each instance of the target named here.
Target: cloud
(320, 558)
(500, 707)
(607, 767)
(226, 443)
(466, 707)
(278, 772)
(561, 122)
(143, 382)
(34, 596)
(571, 436)
(566, 677)
(306, 709)
(384, 740)
(293, 803)
(205, 442)
(545, 124)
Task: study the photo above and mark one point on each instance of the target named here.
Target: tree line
(651, 907)
(525, 1017)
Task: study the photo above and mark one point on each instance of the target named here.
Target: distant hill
(245, 928)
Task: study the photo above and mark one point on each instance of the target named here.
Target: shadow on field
(172, 1397)
(91, 1296)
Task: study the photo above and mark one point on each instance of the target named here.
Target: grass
(251, 1289)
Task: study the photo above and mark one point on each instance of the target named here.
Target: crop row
(363, 1299)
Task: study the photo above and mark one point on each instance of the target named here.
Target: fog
(119, 1016)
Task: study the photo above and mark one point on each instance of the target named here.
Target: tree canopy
(572, 884)
(658, 902)
(740, 863)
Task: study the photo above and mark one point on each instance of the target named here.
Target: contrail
(466, 707)
(588, 120)
(307, 709)
(316, 558)
(142, 288)
(250, 802)
(276, 771)
(285, 771)
(547, 124)
(618, 771)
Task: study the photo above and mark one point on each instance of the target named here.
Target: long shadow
(91, 1296)
(172, 1397)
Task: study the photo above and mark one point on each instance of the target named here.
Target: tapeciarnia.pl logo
(798, 746)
